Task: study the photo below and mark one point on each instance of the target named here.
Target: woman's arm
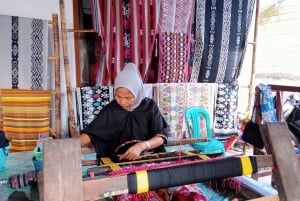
(134, 151)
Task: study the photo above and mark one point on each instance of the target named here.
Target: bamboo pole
(74, 129)
(251, 84)
(57, 76)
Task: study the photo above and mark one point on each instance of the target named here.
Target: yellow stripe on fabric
(26, 99)
(142, 181)
(246, 165)
(107, 161)
(30, 111)
(25, 130)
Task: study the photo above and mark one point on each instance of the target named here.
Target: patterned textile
(128, 30)
(188, 192)
(90, 101)
(175, 16)
(174, 41)
(225, 120)
(173, 60)
(26, 114)
(174, 98)
(23, 52)
(222, 28)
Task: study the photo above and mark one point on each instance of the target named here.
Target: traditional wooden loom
(62, 175)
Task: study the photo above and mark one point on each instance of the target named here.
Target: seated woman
(128, 125)
(130, 119)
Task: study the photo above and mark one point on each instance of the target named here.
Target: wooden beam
(62, 172)
(285, 160)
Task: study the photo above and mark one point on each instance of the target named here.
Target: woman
(130, 124)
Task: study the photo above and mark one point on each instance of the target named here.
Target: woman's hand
(134, 151)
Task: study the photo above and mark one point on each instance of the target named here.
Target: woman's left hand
(133, 152)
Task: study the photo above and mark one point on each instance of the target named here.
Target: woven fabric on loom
(25, 114)
(174, 98)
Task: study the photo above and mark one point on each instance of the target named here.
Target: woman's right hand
(134, 152)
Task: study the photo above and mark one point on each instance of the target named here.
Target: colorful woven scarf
(25, 114)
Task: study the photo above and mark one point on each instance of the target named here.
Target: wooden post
(251, 84)
(74, 129)
(285, 160)
(57, 76)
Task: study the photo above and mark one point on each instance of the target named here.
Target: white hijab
(130, 78)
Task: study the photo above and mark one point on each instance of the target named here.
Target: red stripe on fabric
(133, 28)
(110, 11)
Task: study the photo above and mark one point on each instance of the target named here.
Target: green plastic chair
(194, 116)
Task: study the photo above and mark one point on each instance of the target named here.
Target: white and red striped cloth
(128, 30)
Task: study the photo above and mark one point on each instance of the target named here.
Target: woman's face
(124, 98)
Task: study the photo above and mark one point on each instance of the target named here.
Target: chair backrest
(194, 116)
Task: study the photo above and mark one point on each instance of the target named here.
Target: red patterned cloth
(128, 30)
(158, 195)
(188, 192)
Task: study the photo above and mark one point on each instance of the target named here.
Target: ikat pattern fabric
(173, 60)
(24, 52)
(90, 101)
(174, 41)
(175, 16)
(225, 118)
(26, 115)
(222, 28)
(174, 98)
(128, 31)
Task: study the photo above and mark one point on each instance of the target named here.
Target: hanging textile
(174, 40)
(225, 116)
(128, 30)
(90, 101)
(222, 28)
(24, 52)
(174, 98)
(26, 115)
